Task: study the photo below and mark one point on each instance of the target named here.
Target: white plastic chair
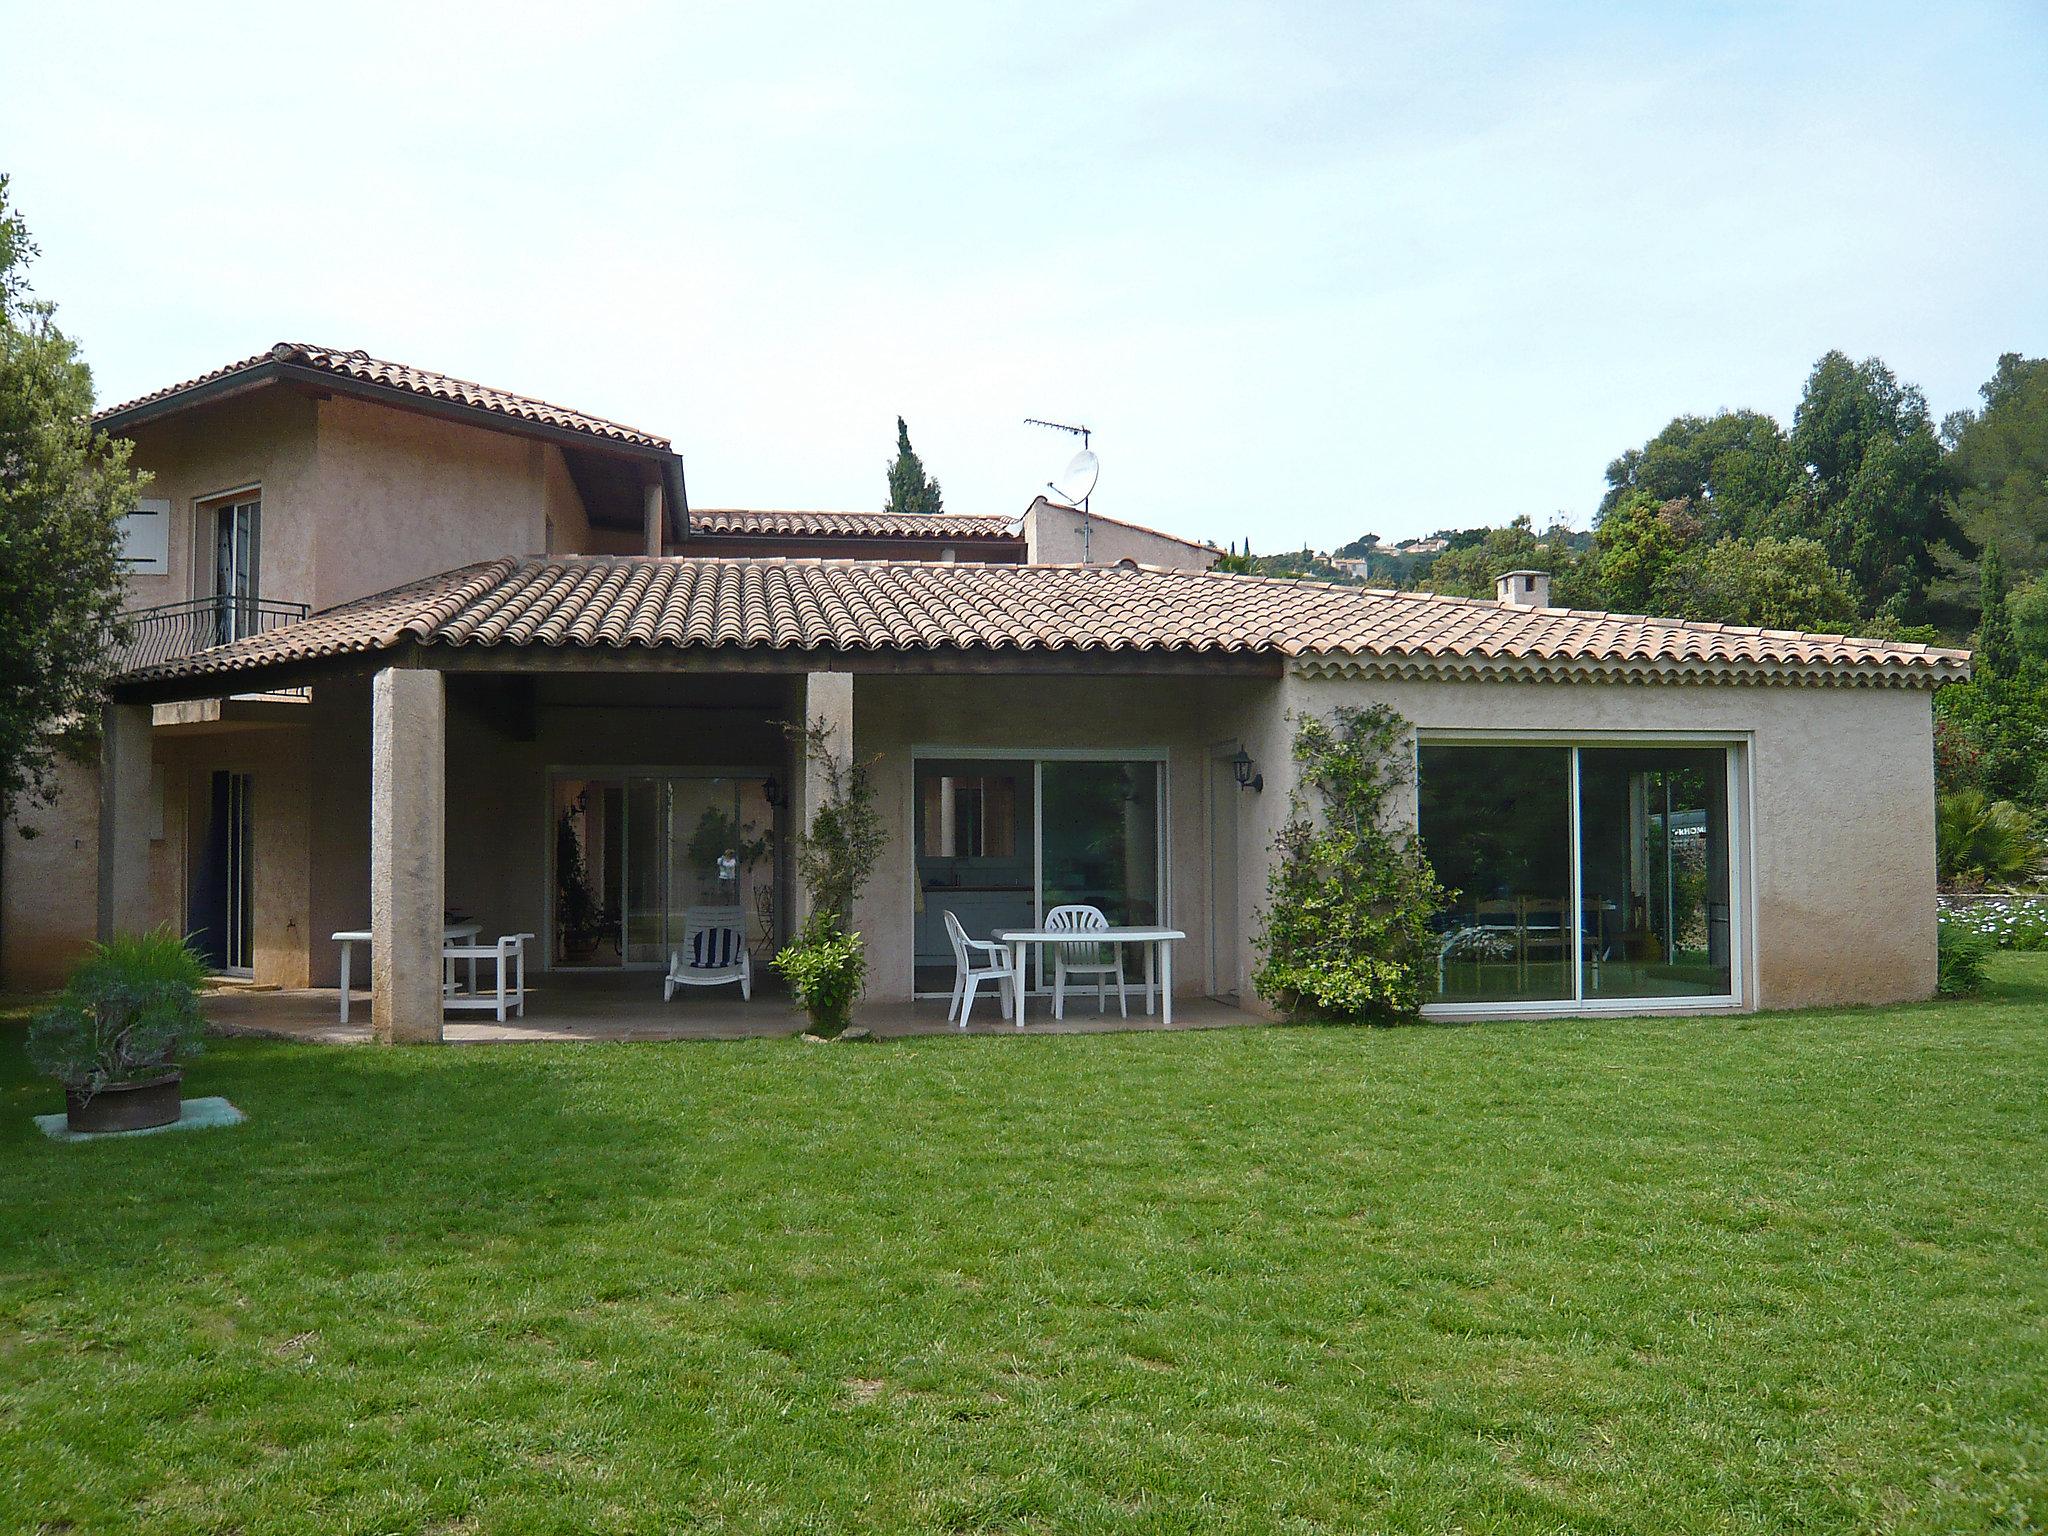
(713, 952)
(968, 975)
(1100, 960)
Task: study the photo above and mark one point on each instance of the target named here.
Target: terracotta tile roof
(903, 605)
(855, 525)
(364, 369)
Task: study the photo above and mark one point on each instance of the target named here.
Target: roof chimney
(1523, 589)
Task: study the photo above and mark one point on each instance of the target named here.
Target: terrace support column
(825, 697)
(408, 878)
(124, 819)
(651, 509)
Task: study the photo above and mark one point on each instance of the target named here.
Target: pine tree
(912, 492)
(1997, 646)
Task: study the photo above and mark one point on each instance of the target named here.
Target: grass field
(1780, 1273)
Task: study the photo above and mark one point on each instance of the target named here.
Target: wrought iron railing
(172, 631)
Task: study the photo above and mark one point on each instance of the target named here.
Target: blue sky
(1307, 270)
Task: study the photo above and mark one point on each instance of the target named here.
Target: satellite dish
(1077, 480)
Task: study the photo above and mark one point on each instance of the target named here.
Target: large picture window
(1002, 840)
(1582, 873)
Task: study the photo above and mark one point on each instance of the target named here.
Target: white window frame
(1038, 757)
(1740, 756)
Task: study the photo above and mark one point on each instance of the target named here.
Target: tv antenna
(1077, 481)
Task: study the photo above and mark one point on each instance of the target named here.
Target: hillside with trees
(1862, 516)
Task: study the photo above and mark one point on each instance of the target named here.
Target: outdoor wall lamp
(1241, 770)
(771, 791)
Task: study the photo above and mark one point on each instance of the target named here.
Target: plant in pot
(115, 1034)
(826, 964)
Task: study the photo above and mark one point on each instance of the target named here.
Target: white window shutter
(146, 538)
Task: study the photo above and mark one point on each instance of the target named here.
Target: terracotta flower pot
(126, 1106)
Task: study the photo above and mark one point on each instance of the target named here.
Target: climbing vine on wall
(1345, 934)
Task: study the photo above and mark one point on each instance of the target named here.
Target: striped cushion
(714, 948)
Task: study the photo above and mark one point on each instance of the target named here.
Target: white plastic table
(348, 938)
(1157, 943)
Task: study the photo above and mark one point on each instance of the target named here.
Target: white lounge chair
(713, 952)
(968, 974)
(1098, 959)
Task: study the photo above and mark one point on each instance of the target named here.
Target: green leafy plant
(128, 1012)
(826, 969)
(836, 857)
(1960, 957)
(1346, 931)
(578, 911)
(1979, 841)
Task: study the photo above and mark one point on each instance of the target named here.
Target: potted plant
(114, 1035)
(826, 970)
(826, 965)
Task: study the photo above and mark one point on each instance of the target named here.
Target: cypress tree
(912, 492)
(1997, 646)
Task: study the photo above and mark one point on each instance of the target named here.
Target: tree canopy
(912, 492)
(62, 496)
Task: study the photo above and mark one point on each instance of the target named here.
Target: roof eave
(269, 371)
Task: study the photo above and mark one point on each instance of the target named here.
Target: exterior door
(1225, 980)
(236, 540)
(221, 901)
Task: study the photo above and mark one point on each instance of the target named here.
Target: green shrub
(1979, 841)
(1959, 970)
(128, 1012)
(1346, 931)
(826, 970)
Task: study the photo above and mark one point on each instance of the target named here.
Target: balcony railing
(171, 631)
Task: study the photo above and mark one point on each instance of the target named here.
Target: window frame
(1737, 746)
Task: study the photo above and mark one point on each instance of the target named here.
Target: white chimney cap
(1523, 589)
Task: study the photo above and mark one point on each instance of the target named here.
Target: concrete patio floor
(614, 1005)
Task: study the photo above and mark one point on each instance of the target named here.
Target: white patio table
(1157, 943)
(453, 933)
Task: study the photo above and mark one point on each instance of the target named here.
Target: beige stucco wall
(1056, 535)
(398, 496)
(49, 883)
(266, 438)
(1839, 842)
(357, 497)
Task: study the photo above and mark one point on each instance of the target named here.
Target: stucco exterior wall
(1839, 836)
(399, 496)
(1059, 535)
(266, 438)
(49, 883)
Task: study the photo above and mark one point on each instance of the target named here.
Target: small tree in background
(64, 489)
(912, 492)
(1997, 644)
(1346, 931)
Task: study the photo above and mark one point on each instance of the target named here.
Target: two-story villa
(410, 647)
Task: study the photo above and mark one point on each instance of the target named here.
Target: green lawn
(1782, 1273)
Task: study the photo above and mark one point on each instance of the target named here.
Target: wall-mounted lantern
(771, 791)
(1241, 770)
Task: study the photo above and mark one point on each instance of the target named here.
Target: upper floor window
(236, 523)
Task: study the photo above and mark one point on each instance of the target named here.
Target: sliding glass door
(632, 853)
(1002, 840)
(1580, 873)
